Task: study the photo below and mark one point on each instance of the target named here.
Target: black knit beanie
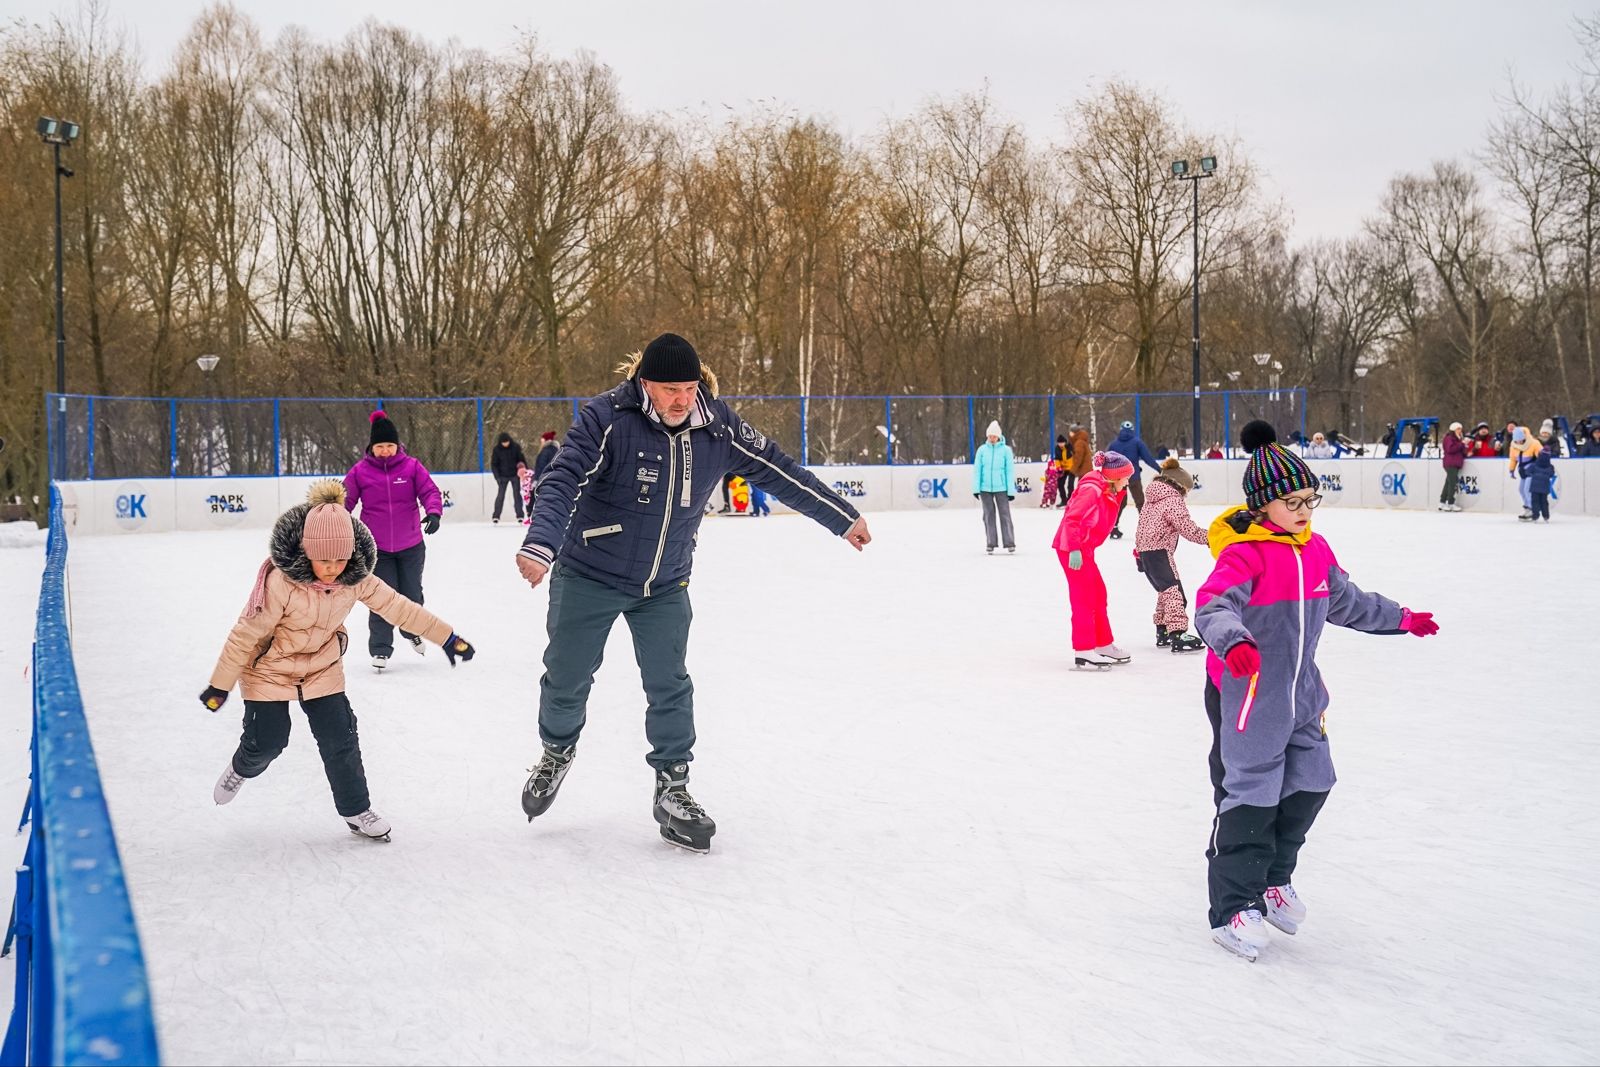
(383, 431)
(669, 358)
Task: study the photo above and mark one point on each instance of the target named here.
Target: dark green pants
(582, 612)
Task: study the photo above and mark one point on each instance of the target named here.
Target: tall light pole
(208, 363)
(1361, 389)
(57, 134)
(1180, 171)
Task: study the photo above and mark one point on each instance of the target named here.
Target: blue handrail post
(277, 437)
(1138, 424)
(1050, 434)
(22, 916)
(1227, 424)
(1301, 393)
(172, 437)
(480, 434)
(91, 438)
(972, 443)
(805, 439)
(888, 429)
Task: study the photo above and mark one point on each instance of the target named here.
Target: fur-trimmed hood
(629, 369)
(290, 558)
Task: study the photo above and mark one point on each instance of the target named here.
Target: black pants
(402, 572)
(500, 496)
(1541, 505)
(1452, 478)
(1135, 490)
(333, 724)
(1251, 847)
(1065, 485)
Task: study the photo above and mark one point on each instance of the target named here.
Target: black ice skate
(1186, 643)
(683, 822)
(540, 792)
(1162, 637)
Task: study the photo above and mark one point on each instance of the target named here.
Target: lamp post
(58, 134)
(208, 363)
(1361, 390)
(1181, 172)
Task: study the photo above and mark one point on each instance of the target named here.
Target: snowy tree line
(384, 214)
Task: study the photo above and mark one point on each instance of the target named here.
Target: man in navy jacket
(1132, 445)
(614, 526)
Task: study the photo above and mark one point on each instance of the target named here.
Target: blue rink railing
(82, 995)
(116, 437)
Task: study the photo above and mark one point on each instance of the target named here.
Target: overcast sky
(1331, 99)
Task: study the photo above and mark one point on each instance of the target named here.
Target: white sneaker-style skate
(1243, 935)
(380, 662)
(1092, 661)
(227, 786)
(369, 824)
(1284, 908)
(418, 647)
(1113, 653)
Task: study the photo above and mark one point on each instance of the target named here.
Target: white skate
(227, 786)
(1114, 654)
(1284, 908)
(1243, 936)
(1092, 661)
(369, 824)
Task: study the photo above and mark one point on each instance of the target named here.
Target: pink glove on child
(1418, 623)
(1243, 660)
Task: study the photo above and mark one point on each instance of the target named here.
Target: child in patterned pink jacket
(1163, 519)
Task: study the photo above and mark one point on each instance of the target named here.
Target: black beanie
(383, 431)
(669, 358)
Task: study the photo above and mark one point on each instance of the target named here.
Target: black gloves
(430, 524)
(213, 697)
(456, 647)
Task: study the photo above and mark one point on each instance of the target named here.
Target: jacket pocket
(344, 642)
(601, 531)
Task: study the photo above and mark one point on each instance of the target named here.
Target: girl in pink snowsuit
(1084, 527)
(1163, 519)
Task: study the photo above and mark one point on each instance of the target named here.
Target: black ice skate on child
(1162, 637)
(1186, 643)
(683, 822)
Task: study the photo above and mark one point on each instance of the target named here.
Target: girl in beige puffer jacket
(290, 639)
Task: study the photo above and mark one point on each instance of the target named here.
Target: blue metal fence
(158, 437)
(82, 996)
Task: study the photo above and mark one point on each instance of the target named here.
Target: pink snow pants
(1086, 590)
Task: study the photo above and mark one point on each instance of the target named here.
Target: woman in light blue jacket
(994, 483)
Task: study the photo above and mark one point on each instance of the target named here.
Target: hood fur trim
(290, 558)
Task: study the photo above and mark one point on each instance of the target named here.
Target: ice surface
(937, 843)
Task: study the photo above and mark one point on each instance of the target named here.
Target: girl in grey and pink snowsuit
(1262, 610)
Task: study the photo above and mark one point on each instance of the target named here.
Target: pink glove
(1243, 660)
(1419, 623)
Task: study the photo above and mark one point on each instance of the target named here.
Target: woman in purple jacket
(389, 485)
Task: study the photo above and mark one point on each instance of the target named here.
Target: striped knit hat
(1273, 471)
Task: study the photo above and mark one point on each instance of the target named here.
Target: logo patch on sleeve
(752, 436)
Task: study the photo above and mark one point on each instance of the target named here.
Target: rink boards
(150, 505)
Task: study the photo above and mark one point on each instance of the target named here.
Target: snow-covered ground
(937, 843)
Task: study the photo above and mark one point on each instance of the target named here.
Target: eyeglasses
(1309, 503)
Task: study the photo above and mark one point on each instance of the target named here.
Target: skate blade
(1235, 954)
(688, 844)
(1286, 925)
(368, 837)
(1091, 666)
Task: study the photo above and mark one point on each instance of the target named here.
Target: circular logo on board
(933, 492)
(129, 506)
(223, 510)
(1395, 479)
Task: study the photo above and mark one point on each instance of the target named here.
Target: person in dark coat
(1590, 449)
(503, 465)
(1131, 445)
(615, 524)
